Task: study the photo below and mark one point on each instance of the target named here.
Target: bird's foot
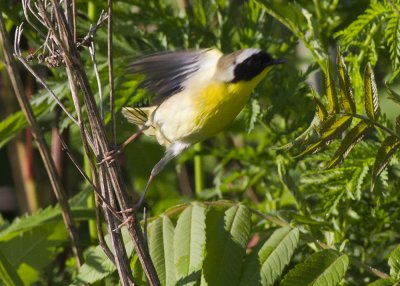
(111, 156)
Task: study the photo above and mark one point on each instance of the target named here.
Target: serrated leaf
(345, 91)
(392, 34)
(394, 263)
(371, 100)
(324, 268)
(189, 243)
(388, 148)
(333, 131)
(321, 111)
(264, 266)
(330, 90)
(227, 238)
(161, 247)
(349, 141)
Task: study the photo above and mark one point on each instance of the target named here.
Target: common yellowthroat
(197, 94)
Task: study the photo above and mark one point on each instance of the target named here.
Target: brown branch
(42, 145)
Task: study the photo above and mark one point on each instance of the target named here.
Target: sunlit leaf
(189, 243)
(321, 111)
(345, 91)
(161, 247)
(349, 141)
(324, 268)
(330, 90)
(388, 148)
(371, 101)
(332, 132)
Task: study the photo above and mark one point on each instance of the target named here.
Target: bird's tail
(139, 117)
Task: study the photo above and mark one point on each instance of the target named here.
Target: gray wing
(166, 72)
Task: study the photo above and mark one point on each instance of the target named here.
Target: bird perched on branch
(197, 94)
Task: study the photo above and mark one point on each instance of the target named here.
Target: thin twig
(92, 53)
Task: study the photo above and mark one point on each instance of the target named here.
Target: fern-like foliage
(381, 19)
(336, 122)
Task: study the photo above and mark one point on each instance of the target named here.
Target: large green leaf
(388, 148)
(161, 246)
(330, 90)
(324, 268)
(346, 94)
(371, 100)
(264, 266)
(394, 263)
(189, 244)
(349, 141)
(227, 236)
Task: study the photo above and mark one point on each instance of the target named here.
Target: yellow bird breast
(194, 115)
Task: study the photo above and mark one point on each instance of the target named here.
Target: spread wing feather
(166, 72)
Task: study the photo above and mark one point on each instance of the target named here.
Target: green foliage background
(288, 207)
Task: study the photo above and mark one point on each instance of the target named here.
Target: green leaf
(324, 268)
(227, 237)
(386, 151)
(97, 265)
(189, 244)
(394, 263)
(392, 35)
(8, 273)
(383, 282)
(264, 266)
(161, 247)
(346, 94)
(371, 100)
(333, 131)
(16, 122)
(49, 215)
(330, 90)
(349, 141)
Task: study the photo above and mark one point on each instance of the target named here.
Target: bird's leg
(172, 152)
(111, 156)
